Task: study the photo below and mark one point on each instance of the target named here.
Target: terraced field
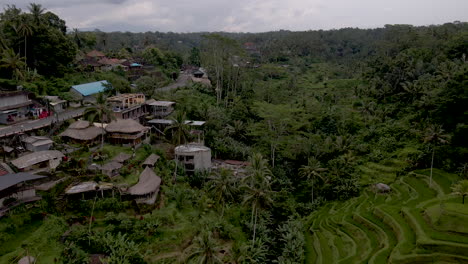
(415, 223)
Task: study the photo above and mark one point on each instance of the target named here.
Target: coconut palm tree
(12, 61)
(434, 136)
(36, 11)
(223, 187)
(258, 171)
(312, 171)
(461, 188)
(180, 130)
(25, 30)
(205, 250)
(258, 197)
(99, 112)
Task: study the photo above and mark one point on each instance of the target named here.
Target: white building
(193, 157)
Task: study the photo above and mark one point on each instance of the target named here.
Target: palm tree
(461, 188)
(99, 112)
(434, 136)
(259, 197)
(205, 250)
(180, 130)
(25, 30)
(223, 186)
(12, 61)
(311, 171)
(77, 38)
(258, 171)
(36, 11)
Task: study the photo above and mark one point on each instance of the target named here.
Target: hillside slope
(415, 223)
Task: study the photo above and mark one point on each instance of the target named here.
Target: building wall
(20, 115)
(20, 195)
(203, 160)
(13, 100)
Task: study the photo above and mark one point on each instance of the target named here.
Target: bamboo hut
(83, 132)
(127, 132)
(150, 160)
(147, 188)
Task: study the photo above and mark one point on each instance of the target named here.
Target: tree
(434, 136)
(258, 197)
(25, 30)
(36, 10)
(194, 58)
(204, 250)
(217, 53)
(99, 112)
(148, 85)
(461, 188)
(257, 188)
(12, 61)
(223, 187)
(311, 171)
(278, 125)
(258, 171)
(180, 130)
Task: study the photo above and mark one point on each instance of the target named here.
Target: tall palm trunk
(312, 189)
(25, 54)
(432, 164)
(255, 225)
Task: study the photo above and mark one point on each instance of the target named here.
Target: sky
(247, 15)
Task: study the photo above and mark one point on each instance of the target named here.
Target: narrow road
(181, 81)
(39, 123)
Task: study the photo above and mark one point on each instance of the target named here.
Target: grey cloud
(248, 15)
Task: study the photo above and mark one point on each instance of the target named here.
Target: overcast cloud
(248, 15)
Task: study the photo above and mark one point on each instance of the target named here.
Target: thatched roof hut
(80, 124)
(147, 187)
(127, 126)
(113, 165)
(82, 131)
(88, 187)
(122, 157)
(38, 157)
(151, 160)
(111, 168)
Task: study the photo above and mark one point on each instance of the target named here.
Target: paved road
(181, 81)
(39, 123)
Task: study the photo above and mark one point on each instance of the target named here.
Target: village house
(150, 161)
(159, 109)
(126, 106)
(37, 143)
(14, 106)
(112, 64)
(196, 130)
(19, 186)
(46, 159)
(147, 189)
(193, 157)
(200, 76)
(86, 92)
(127, 132)
(56, 104)
(83, 132)
(196, 127)
(91, 60)
(111, 168)
(89, 190)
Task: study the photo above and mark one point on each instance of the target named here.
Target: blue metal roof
(91, 88)
(135, 64)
